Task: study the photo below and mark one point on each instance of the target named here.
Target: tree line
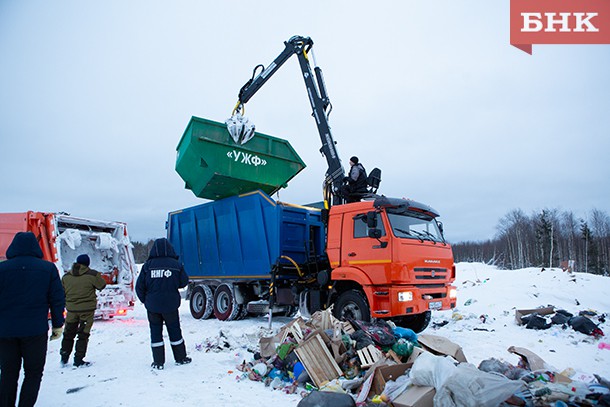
(142, 250)
(547, 238)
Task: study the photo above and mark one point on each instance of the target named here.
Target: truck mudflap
(408, 300)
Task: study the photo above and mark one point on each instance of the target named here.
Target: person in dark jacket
(355, 183)
(79, 284)
(29, 288)
(157, 287)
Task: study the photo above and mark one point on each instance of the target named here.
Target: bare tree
(544, 238)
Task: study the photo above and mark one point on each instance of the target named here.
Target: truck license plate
(435, 305)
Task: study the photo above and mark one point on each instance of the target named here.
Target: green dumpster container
(213, 166)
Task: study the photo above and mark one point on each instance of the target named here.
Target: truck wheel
(417, 322)
(352, 305)
(225, 307)
(201, 302)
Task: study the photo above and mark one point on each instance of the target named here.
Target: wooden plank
(288, 329)
(347, 327)
(368, 356)
(394, 356)
(332, 366)
(297, 332)
(317, 360)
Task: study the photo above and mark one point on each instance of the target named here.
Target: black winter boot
(184, 361)
(158, 357)
(64, 357)
(179, 352)
(79, 362)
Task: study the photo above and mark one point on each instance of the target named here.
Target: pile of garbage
(357, 363)
(545, 317)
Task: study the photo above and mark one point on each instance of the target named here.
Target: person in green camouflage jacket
(81, 301)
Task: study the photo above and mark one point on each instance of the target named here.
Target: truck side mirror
(371, 220)
(375, 233)
(440, 227)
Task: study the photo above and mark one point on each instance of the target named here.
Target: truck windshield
(411, 226)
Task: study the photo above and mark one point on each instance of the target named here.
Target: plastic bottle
(277, 383)
(580, 389)
(260, 368)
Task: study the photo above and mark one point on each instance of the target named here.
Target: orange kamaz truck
(379, 258)
(63, 238)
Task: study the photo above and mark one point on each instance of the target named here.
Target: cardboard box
(541, 311)
(441, 346)
(530, 359)
(416, 396)
(386, 373)
(416, 352)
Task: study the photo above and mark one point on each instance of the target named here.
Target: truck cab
(389, 259)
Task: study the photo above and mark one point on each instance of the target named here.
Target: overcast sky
(94, 97)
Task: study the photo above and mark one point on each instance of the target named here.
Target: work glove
(56, 333)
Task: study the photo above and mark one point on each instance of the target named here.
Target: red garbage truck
(63, 238)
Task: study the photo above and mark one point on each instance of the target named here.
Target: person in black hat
(29, 288)
(80, 284)
(355, 182)
(157, 287)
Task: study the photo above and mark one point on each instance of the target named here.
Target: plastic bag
(470, 387)
(240, 128)
(325, 398)
(405, 333)
(585, 326)
(333, 386)
(536, 321)
(560, 319)
(504, 368)
(379, 331)
(72, 238)
(403, 347)
(362, 339)
(431, 370)
(395, 388)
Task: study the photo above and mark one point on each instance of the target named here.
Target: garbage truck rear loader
(63, 238)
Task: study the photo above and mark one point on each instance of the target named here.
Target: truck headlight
(453, 293)
(405, 296)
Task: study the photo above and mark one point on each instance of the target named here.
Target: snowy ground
(120, 350)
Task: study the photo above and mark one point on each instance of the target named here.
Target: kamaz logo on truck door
(160, 273)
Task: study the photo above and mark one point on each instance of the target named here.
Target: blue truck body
(241, 238)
